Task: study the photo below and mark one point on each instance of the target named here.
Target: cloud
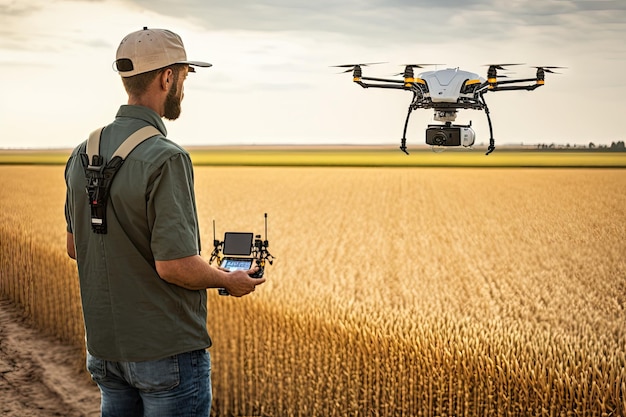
(399, 20)
(20, 8)
(600, 5)
(403, 22)
(33, 27)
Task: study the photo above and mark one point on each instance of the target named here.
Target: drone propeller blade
(408, 69)
(419, 65)
(355, 68)
(501, 66)
(549, 69)
(356, 65)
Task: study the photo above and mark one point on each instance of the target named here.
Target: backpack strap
(99, 175)
(93, 143)
(134, 140)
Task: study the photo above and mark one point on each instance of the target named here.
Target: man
(143, 282)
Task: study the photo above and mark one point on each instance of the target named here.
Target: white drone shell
(445, 86)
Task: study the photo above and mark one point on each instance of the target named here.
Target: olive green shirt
(130, 313)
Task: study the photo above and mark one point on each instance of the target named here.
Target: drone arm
(517, 87)
(384, 80)
(525, 80)
(500, 85)
(389, 86)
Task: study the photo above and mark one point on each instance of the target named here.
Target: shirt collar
(142, 113)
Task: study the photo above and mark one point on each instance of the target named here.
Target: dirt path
(38, 376)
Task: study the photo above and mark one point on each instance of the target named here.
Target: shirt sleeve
(68, 195)
(172, 214)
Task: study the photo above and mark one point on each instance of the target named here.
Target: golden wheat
(416, 292)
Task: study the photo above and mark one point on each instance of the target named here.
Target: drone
(447, 91)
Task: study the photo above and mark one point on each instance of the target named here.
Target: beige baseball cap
(151, 49)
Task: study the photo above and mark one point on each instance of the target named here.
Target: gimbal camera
(241, 253)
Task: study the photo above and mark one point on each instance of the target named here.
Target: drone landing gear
(413, 106)
(492, 141)
(406, 125)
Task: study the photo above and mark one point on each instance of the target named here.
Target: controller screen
(236, 264)
(236, 243)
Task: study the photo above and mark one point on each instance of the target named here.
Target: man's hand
(71, 249)
(240, 283)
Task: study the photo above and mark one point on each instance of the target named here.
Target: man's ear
(167, 79)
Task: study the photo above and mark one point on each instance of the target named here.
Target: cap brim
(196, 63)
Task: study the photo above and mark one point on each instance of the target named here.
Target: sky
(272, 80)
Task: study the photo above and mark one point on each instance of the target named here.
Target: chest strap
(99, 175)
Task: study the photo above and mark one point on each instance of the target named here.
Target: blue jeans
(177, 386)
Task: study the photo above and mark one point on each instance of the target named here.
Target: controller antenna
(266, 229)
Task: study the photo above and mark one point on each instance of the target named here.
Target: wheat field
(395, 291)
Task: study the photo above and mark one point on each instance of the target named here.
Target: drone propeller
(409, 67)
(419, 65)
(351, 67)
(492, 73)
(500, 66)
(549, 69)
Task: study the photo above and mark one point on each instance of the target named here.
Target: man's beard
(172, 103)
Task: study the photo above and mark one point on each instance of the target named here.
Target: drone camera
(450, 135)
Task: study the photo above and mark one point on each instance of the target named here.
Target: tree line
(618, 146)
